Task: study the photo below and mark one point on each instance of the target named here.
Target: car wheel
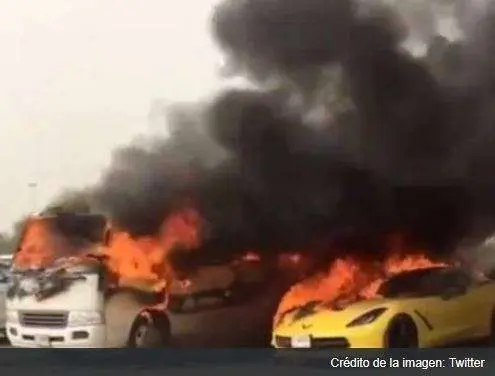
(148, 332)
(401, 333)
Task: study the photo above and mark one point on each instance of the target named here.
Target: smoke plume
(412, 153)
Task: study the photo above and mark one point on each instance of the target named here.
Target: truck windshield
(46, 239)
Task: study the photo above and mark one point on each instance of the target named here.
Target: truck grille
(44, 319)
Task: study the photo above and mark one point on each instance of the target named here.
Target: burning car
(426, 307)
(226, 305)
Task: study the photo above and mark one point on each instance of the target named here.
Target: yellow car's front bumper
(360, 337)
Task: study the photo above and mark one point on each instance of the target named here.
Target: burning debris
(42, 284)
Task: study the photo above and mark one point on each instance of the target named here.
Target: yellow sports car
(433, 307)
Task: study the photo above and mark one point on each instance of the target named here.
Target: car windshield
(44, 240)
(416, 283)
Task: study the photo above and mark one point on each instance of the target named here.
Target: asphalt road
(4, 344)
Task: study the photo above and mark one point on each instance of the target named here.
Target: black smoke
(414, 152)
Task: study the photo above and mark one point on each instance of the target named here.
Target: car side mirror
(452, 292)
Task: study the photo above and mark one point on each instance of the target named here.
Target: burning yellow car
(432, 307)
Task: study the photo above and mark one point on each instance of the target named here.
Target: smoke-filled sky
(408, 143)
(78, 77)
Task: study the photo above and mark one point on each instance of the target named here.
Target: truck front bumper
(70, 337)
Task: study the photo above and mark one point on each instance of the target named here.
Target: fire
(135, 262)
(41, 246)
(37, 248)
(349, 279)
(143, 261)
(132, 261)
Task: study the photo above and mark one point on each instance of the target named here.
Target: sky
(77, 79)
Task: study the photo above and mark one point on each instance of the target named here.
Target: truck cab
(61, 293)
(51, 301)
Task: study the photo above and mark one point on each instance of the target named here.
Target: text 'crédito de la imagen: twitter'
(403, 362)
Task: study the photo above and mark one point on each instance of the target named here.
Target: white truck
(56, 303)
(52, 302)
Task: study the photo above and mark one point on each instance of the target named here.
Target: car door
(450, 306)
(457, 297)
(480, 308)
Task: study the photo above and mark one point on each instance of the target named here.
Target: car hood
(324, 315)
(45, 283)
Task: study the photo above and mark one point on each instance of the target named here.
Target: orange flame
(41, 246)
(37, 247)
(143, 261)
(136, 262)
(350, 279)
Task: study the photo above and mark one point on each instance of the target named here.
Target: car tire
(401, 333)
(149, 331)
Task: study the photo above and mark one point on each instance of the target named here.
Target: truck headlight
(79, 318)
(12, 316)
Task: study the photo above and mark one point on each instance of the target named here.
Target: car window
(425, 282)
(455, 278)
(416, 283)
(437, 282)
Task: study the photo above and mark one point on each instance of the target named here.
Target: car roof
(419, 273)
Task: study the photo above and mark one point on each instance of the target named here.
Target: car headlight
(79, 318)
(367, 318)
(12, 316)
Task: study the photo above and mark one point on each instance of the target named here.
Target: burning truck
(76, 282)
